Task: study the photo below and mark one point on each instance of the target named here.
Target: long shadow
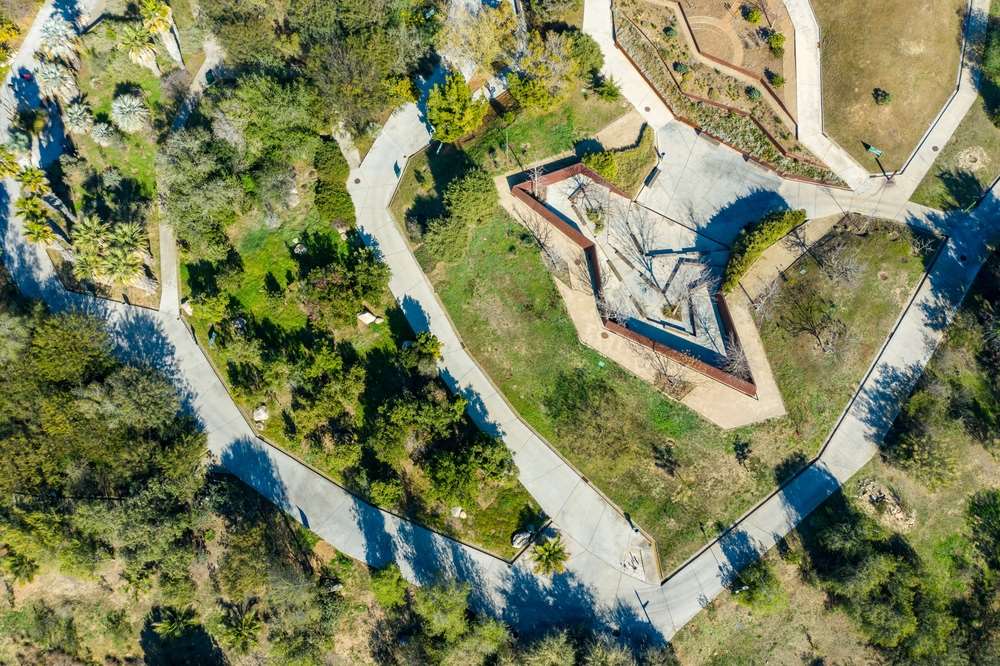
(250, 460)
(195, 647)
(415, 314)
(726, 223)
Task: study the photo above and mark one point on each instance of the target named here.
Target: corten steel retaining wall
(699, 129)
(522, 192)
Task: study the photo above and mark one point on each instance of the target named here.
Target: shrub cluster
(756, 238)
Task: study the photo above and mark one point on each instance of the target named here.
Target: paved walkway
(595, 589)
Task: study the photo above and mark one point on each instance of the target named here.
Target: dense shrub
(333, 295)
(530, 93)
(471, 197)
(753, 93)
(452, 111)
(776, 42)
(333, 201)
(754, 239)
(881, 97)
(626, 167)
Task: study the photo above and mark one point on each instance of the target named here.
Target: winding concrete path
(595, 589)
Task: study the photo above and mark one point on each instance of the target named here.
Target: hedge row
(756, 238)
(626, 167)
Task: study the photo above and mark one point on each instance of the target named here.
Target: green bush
(775, 79)
(472, 197)
(776, 42)
(607, 89)
(757, 587)
(670, 31)
(681, 67)
(881, 97)
(756, 238)
(389, 587)
(587, 54)
(604, 163)
(452, 111)
(753, 15)
(531, 94)
(332, 198)
(753, 93)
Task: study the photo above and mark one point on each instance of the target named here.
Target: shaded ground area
(966, 166)
(911, 49)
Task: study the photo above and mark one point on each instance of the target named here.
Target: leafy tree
(129, 113)
(485, 34)
(443, 610)
(333, 295)
(529, 93)
(202, 196)
(587, 54)
(452, 111)
(21, 567)
(983, 519)
(471, 198)
(550, 61)
(389, 587)
(553, 650)
(550, 556)
(157, 17)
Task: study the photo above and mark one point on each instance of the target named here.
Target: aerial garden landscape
(193, 175)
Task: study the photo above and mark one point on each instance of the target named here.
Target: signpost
(878, 153)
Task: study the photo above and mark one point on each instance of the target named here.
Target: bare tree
(796, 241)
(922, 245)
(633, 232)
(535, 174)
(763, 305)
(668, 374)
(808, 312)
(736, 362)
(541, 232)
(616, 306)
(841, 262)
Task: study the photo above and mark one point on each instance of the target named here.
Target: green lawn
(965, 166)
(909, 48)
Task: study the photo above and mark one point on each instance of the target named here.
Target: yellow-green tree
(452, 111)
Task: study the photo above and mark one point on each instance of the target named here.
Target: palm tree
(174, 623)
(34, 181)
(86, 266)
(127, 235)
(137, 41)
(129, 113)
(157, 17)
(550, 556)
(31, 208)
(90, 235)
(102, 134)
(59, 39)
(240, 626)
(21, 567)
(78, 117)
(121, 265)
(8, 162)
(56, 81)
(39, 231)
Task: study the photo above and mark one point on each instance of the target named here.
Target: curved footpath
(594, 589)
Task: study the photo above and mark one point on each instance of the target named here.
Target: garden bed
(723, 107)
